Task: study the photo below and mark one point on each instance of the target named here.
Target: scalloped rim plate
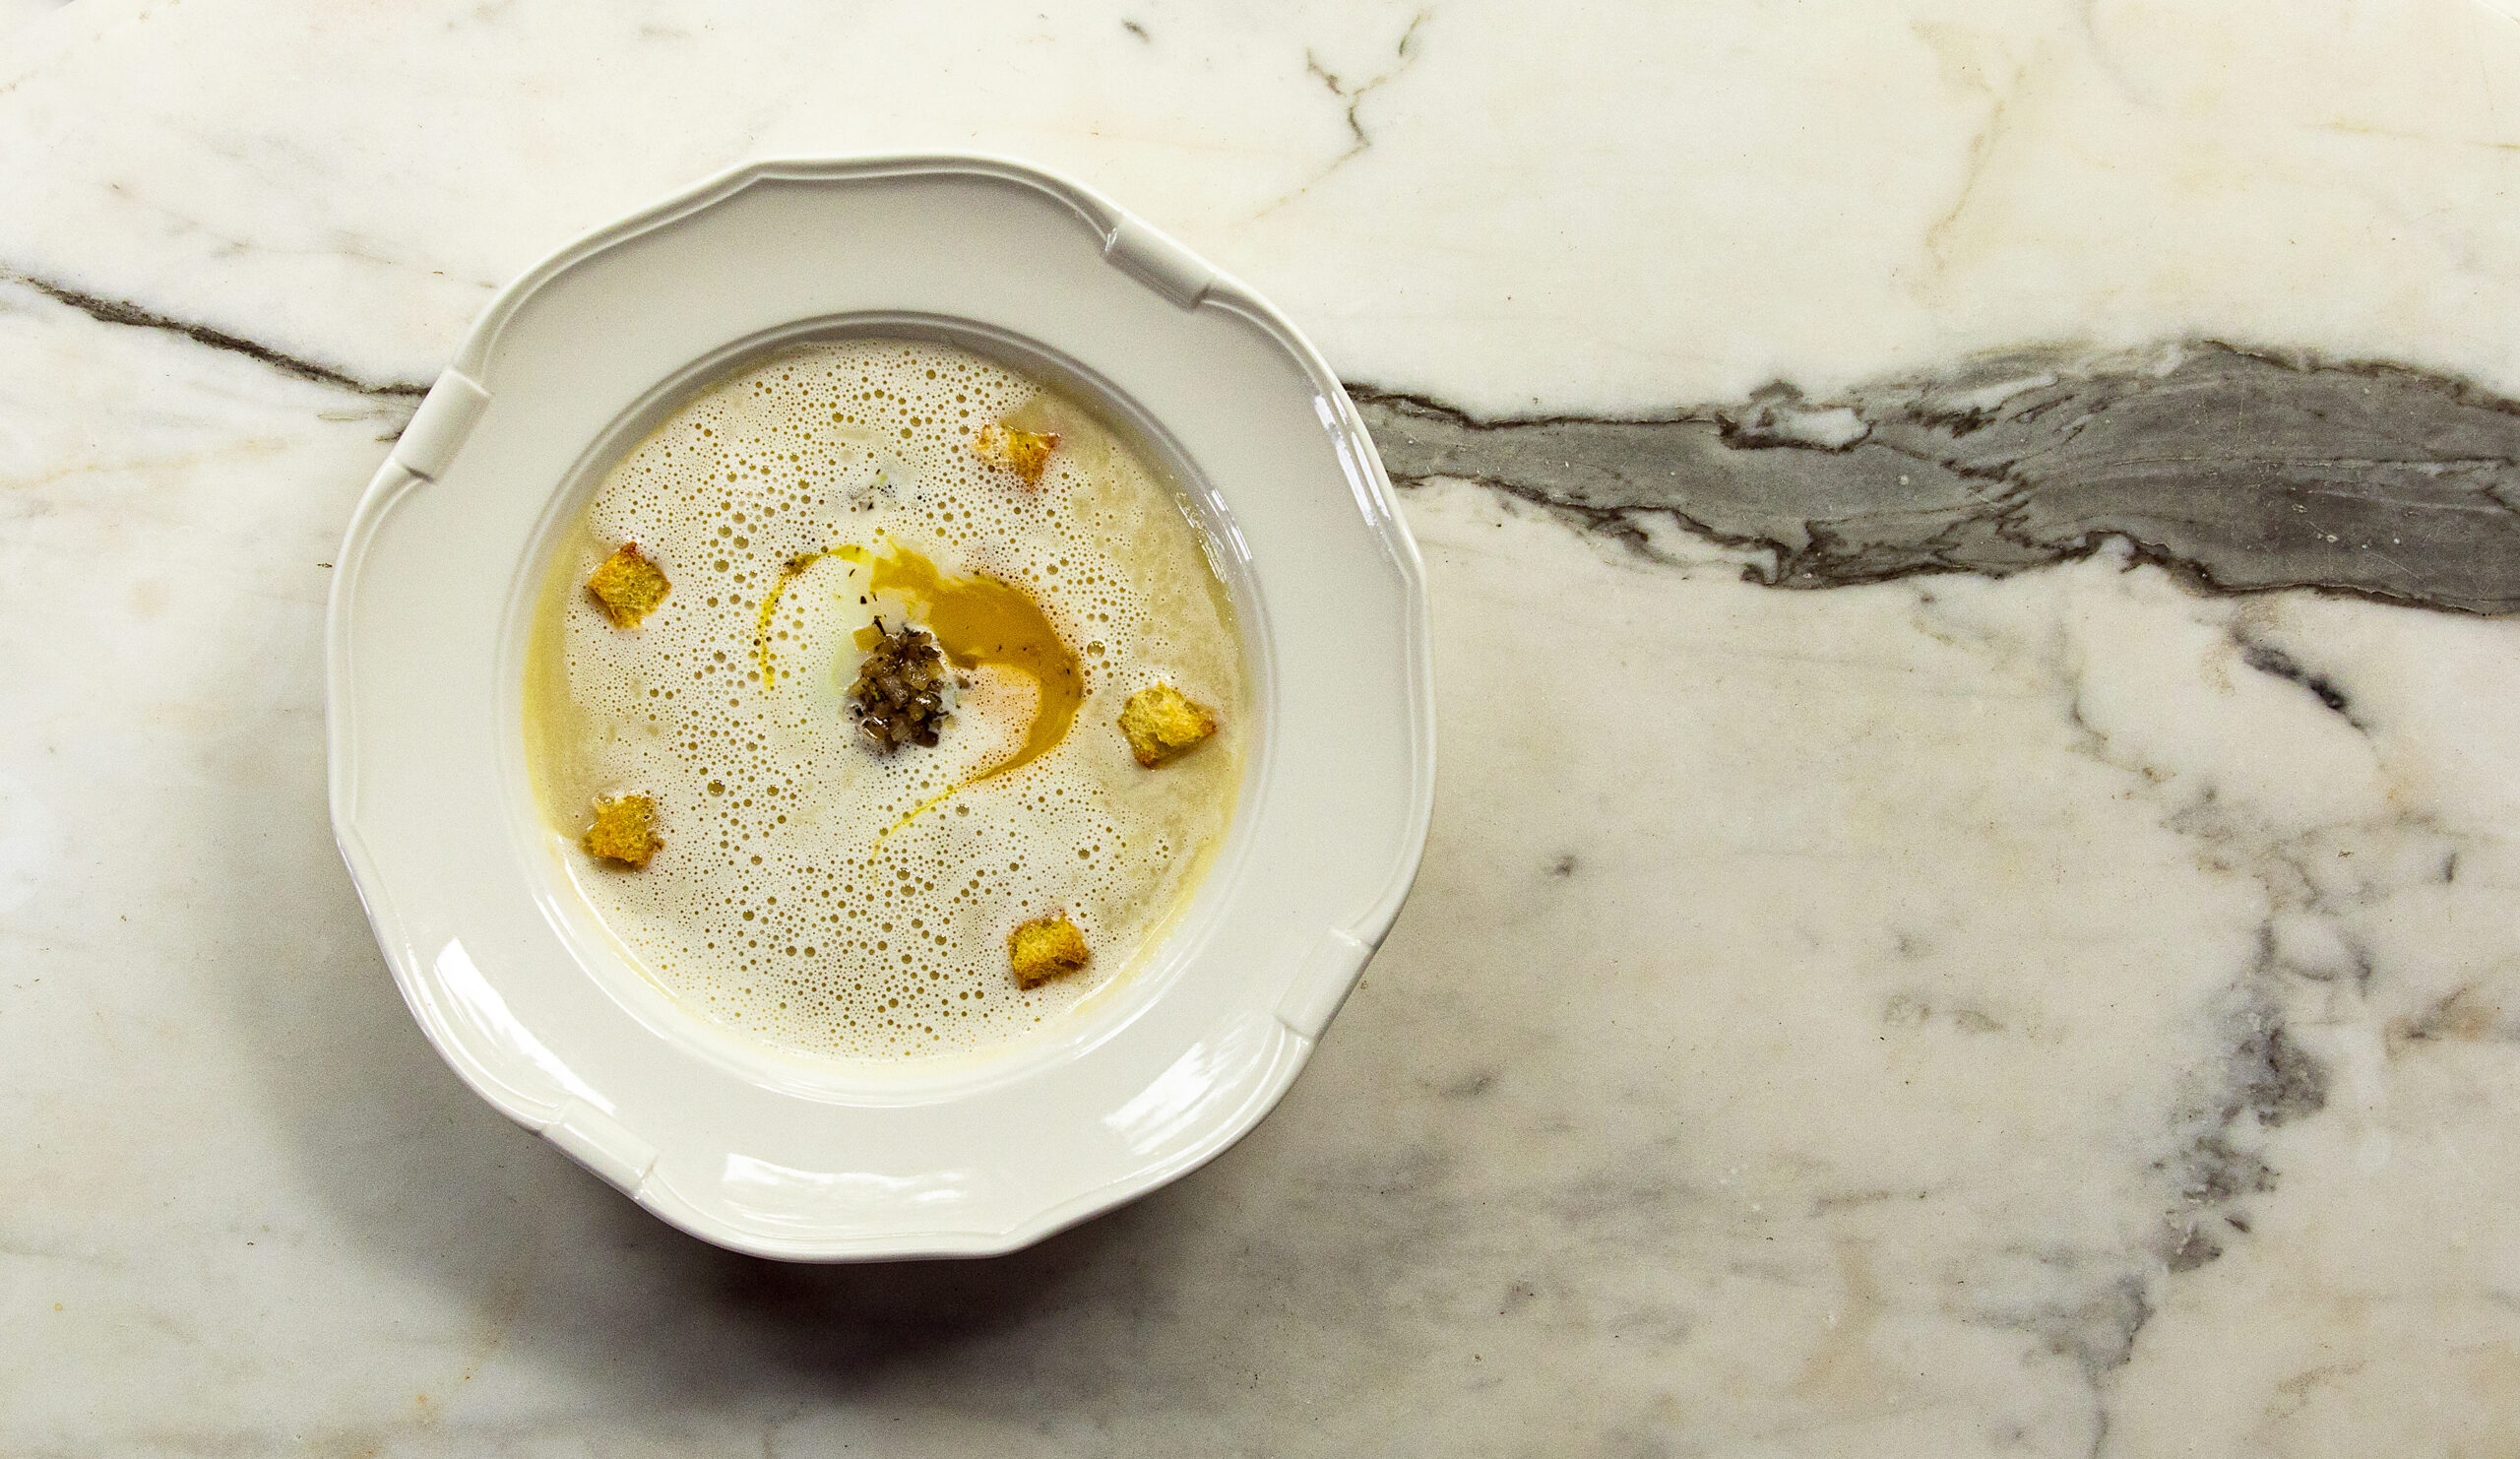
(544, 1015)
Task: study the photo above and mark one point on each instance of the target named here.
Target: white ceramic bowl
(501, 961)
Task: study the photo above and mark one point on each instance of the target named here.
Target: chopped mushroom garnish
(899, 697)
(628, 587)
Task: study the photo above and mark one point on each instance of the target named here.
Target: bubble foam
(788, 901)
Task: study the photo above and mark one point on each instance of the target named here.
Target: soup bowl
(554, 1021)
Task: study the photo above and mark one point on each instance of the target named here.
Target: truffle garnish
(899, 697)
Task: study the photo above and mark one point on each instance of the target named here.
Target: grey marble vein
(1353, 94)
(123, 312)
(2268, 1077)
(2241, 471)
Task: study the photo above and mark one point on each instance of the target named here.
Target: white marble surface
(1945, 1016)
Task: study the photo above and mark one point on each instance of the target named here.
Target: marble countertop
(2021, 960)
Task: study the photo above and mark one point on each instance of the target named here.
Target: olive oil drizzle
(796, 568)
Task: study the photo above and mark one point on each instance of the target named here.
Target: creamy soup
(826, 887)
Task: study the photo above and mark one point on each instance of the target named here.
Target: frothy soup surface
(809, 889)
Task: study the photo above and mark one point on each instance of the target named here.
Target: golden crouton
(628, 586)
(624, 831)
(1162, 724)
(1045, 948)
(1026, 453)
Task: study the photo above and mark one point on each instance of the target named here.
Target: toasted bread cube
(1026, 453)
(624, 831)
(1045, 948)
(1162, 724)
(628, 587)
